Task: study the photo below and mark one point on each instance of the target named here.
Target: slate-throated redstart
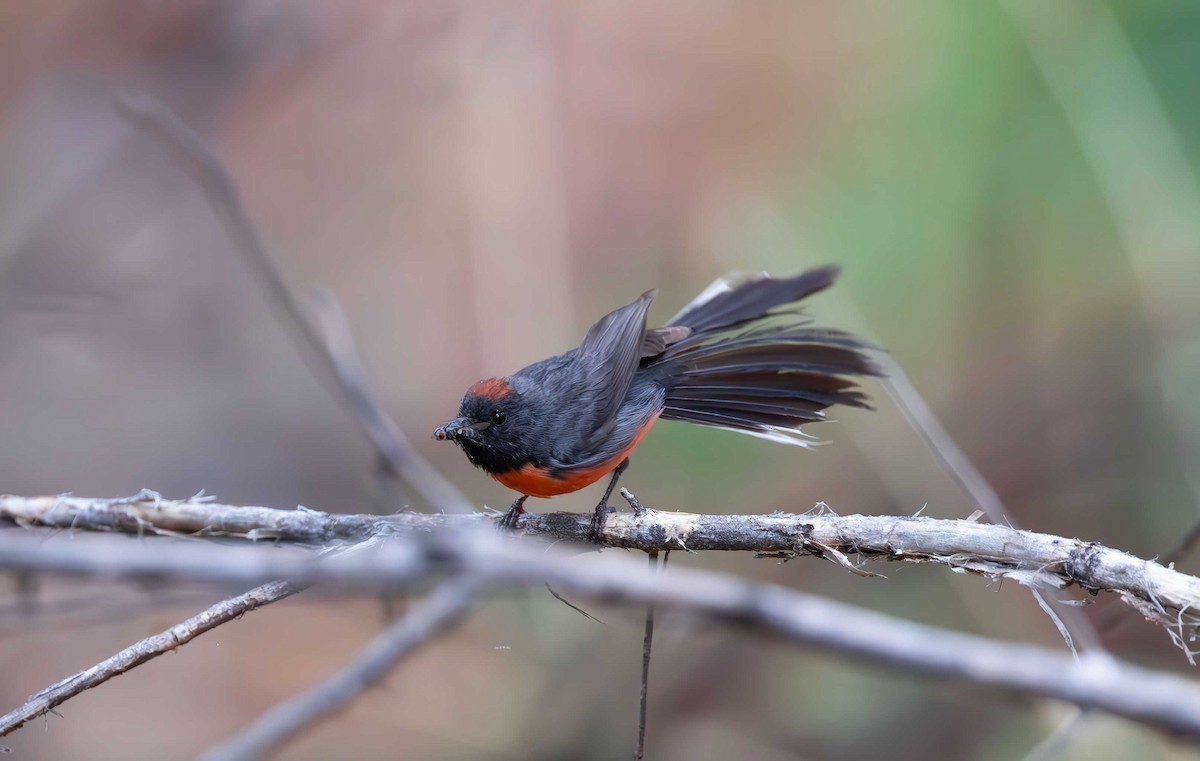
(730, 359)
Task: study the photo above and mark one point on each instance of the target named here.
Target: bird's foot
(599, 518)
(513, 516)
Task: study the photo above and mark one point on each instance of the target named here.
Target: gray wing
(610, 352)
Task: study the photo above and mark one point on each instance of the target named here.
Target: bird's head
(492, 426)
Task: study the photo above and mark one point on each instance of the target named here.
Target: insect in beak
(458, 429)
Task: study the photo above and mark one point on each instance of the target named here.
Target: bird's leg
(602, 509)
(515, 511)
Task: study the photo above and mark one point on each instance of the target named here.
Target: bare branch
(327, 345)
(148, 513)
(1036, 560)
(157, 120)
(428, 618)
(151, 647)
(955, 463)
(1155, 698)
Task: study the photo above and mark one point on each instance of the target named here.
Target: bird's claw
(513, 516)
(599, 518)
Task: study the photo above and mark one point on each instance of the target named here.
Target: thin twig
(396, 449)
(424, 621)
(151, 647)
(1184, 547)
(157, 120)
(572, 605)
(1055, 744)
(941, 445)
(647, 643)
(326, 346)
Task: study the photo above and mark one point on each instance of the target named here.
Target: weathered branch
(955, 463)
(152, 647)
(1034, 559)
(1096, 681)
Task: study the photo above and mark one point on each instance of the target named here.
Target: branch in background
(953, 461)
(1040, 561)
(400, 456)
(1056, 744)
(1071, 623)
(152, 647)
(1096, 680)
(1140, 167)
(647, 643)
(327, 345)
(446, 606)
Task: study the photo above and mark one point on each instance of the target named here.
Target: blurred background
(1011, 189)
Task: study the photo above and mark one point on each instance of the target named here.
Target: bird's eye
(499, 418)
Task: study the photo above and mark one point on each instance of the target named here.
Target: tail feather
(773, 376)
(800, 400)
(788, 433)
(783, 358)
(807, 385)
(791, 410)
(724, 306)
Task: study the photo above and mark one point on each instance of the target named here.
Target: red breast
(540, 482)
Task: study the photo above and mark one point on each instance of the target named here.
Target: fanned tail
(754, 368)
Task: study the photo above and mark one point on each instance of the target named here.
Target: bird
(741, 356)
